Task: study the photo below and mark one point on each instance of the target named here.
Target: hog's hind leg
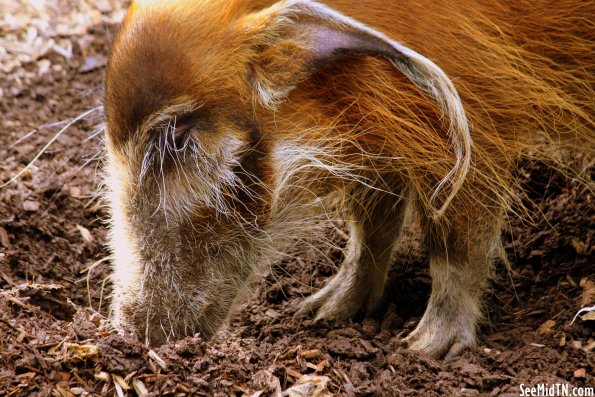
(462, 251)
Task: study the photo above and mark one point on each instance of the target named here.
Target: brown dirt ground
(53, 340)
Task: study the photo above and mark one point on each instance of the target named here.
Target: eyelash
(176, 138)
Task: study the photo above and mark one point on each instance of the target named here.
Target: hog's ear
(303, 35)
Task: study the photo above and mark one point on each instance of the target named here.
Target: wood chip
(288, 353)
(129, 376)
(102, 376)
(74, 191)
(268, 384)
(181, 388)
(307, 354)
(321, 365)
(63, 391)
(93, 62)
(562, 341)
(119, 390)
(309, 386)
(579, 246)
(85, 234)
(31, 206)
(272, 313)
(120, 381)
(139, 387)
(158, 360)
(241, 389)
(469, 392)
(536, 345)
(4, 240)
(588, 294)
(546, 327)
(293, 373)
(78, 391)
(580, 373)
(74, 351)
(577, 344)
(22, 336)
(590, 346)
(311, 366)
(26, 376)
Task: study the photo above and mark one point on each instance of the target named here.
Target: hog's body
(232, 124)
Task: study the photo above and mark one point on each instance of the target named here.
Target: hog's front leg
(376, 217)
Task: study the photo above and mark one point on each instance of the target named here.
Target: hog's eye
(182, 126)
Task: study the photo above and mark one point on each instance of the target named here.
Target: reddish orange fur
(524, 71)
